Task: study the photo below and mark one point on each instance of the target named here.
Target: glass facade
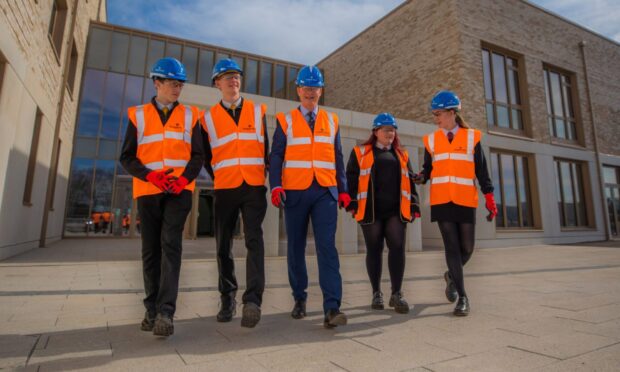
(115, 77)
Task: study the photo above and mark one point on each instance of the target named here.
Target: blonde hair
(461, 122)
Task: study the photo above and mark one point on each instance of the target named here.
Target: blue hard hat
(223, 66)
(309, 76)
(384, 119)
(169, 68)
(445, 100)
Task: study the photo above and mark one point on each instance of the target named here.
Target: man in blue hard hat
(163, 152)
(307, 179)
(236, 149)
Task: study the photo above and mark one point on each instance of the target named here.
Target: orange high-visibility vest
(454, 174)
(162, 147)
(238, 149)
(365, 159)
(308, 155)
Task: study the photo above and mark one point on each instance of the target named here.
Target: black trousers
(458, 240)
(162, 217)
(252, 203)
(391, 230)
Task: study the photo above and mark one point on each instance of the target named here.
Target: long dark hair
(461, 122)
(373, 139)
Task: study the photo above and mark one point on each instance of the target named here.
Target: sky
(304, 31)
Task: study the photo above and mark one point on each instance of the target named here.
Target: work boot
(377, 301)
(148, 322)
(163, 325)
(451, 293)
(398, 303)
(462, 307)
(299, 310)
(251, 315)
(228, 308)
(334, 318)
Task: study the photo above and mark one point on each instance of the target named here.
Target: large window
(510, 175)
(501, 90)
(57, 24)
(570, 191)
(560, 112)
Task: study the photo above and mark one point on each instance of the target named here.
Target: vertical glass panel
(558, 183)
(190, 60)
(510, 191)
(486, 70)
(173, 50)
(206, 67)
(90, 105)
(609, 175)
(265, 78)
(221, 55)
(112, 99)
(119, 48)
(522, 177)
(568, 193)
(250, 76)
(513, 84)
(102, 188)
(239, 60)
(499, 78)
(560, 129)
(490, 117)
(85, 148)
(556, 94)
(133, 97)
(570, 129)
(547, 92)
(98, 48)
(149, 91)
(80, 188)
(137, 55)
(280, 86)
(107, 149)
(502, 116)
(568, 103)
(292, 77)
(156, 51)
(497, 191)
(580, 208)
(517, 120)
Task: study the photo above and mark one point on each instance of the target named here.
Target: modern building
(541, 88)
(42, 52)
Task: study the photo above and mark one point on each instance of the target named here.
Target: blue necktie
(450, 137)
(310, 116)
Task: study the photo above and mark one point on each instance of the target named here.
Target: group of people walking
(167, 144)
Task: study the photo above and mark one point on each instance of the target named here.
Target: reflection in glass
(173, 50)
(250, 75)
(556, 94)
(510, 191)
(522, 177)
(190, 60)
(149, 91)
(292, 77)
(579, 200)
(568, 194)
(265, 78)
(85, 147)
(156, 51)
(486, 69)
(118, 51)
(206, 67)
(133, 97)
(112, 105)
(513, 83)
(102, 191)
(98, 48)
(560, 129)
(610, 175)
(90, 105)
(497, 190)
(78, 204)
(558, 180)
(137, 55)
(107, 149)
(499, 78)
(517, 120)
(280, 86)
(502, 116)
(490, 117)
(568, 103)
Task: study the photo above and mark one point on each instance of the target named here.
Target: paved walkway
(77, 305)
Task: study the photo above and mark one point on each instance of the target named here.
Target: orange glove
(178, 185)
(278, 197)
(491, 206)
(159, 179)
(343, 200)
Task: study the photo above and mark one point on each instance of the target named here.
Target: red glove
(177, 185)
(415, 215)
(278, 197)
(343, 200)
(159, 179)
(491, 206)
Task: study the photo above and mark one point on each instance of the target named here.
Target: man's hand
(278, 197)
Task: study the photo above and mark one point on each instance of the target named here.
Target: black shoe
(462, 307)
(398, 303)
(451, 293)
(299, 310)
(163, 325)
(228, 308)
(251, 315)
(334, 318)
(377, 301)
(148, 322)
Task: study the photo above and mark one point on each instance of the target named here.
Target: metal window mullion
(507, 92)
(494, 100)
(517, 184)
(501, 189)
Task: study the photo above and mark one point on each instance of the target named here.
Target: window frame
(551, 111)
(522, 107)
(581, 169)
(57, 24)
